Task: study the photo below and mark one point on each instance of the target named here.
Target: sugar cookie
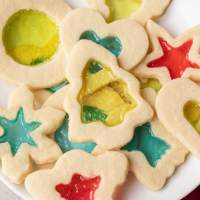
(126, 39)
(154, 153)
(139, 10)
(178, 109)
(104, 102)
(78, 175)
(25, 136)
(171, 58)
(31, 47)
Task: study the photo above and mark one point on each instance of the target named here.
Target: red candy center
(175, 59)
(80, 188)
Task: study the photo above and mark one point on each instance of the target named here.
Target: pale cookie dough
(139, 10)
(61, 135)
(119, 90)
(78, 175)
(126, 39)
(43, 94)
(153, 152)
(177, 105)
(25, 135)
(36, 73)
(171, 58)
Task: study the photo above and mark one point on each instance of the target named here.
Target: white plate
(182, 14)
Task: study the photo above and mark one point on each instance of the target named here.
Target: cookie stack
(101, 91)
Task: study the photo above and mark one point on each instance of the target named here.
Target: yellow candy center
(150, 83)
(103, 97)
(120, 9)
(192, 114)
(30, 37)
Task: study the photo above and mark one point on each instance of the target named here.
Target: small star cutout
(62, 139)
(17, 131)
(145, 141)
(80, 188)
(175, 59)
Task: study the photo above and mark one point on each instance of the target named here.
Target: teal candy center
(57, 87)
(62, 139)
(17, 131)
(111, 43)
(145, 141)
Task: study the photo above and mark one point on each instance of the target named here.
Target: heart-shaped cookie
(139, 10)
(126, 39)
(31, 48)
(178, 109)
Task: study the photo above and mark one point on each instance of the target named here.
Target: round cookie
(31, 47)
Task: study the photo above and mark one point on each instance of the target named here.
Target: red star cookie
(171, 58)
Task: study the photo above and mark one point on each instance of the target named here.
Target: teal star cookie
(25, 137)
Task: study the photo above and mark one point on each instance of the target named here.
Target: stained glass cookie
(104, 102)
(178, 109)
(78, 175)
(171, 58)
(154, 152)
(139, 10)
(31, 47)
(25, 135)
(127, 40)
(61, 135)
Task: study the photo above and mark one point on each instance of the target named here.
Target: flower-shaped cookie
(126, 39)
(24, 135)
(61, 134)
(31, 47)
(153, 152)
(78, 175)
(178, 109)
(171, 58)
(104, 102)
(139, 10)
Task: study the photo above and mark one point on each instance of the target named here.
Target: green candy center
(30, 37)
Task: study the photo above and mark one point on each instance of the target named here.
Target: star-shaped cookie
(171, 58)
(25, 135)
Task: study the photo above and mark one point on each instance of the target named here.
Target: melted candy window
(103, 97)
(192, 114)
(30, 37)
(121, 9)
(80, 188)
